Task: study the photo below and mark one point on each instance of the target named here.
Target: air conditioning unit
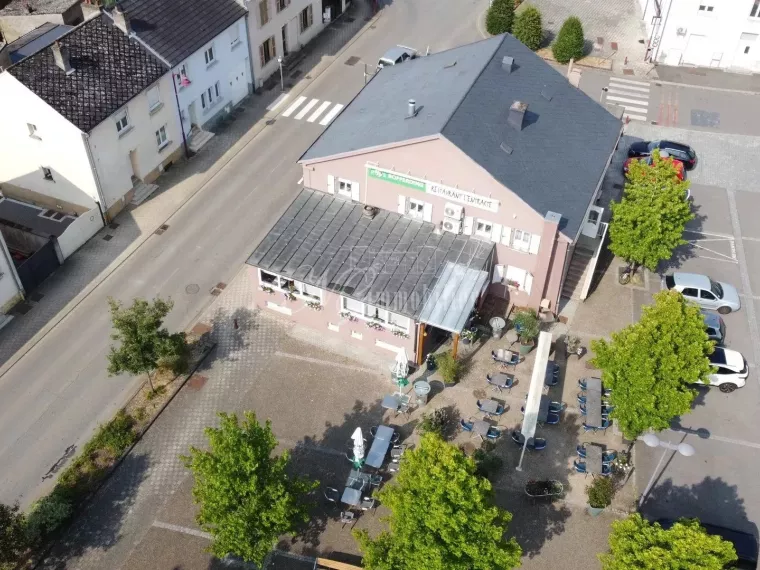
(453, 211)
(453, 226)
(681, 31)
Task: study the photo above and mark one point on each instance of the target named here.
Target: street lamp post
(282, 79)
(601, 95)
(651, 440)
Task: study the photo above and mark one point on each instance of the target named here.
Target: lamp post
(282, 79)
(651, 440)
(601, 95)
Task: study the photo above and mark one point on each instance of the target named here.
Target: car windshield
(691, 154)
(716, 289)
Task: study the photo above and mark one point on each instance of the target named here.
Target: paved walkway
(710, 78)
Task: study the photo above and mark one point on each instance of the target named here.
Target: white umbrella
(401, 364)
(358, 445)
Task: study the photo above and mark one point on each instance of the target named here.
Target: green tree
(144, 344)
(442, 516)
(651, 365)
(648, 223)
(13, 538)
(500, 17)
(569, 43)
(529, 28)
(247, 500)
(636, 544)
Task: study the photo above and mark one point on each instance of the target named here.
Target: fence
(79, 231)
(38, 266)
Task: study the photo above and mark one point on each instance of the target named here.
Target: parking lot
(717, 484)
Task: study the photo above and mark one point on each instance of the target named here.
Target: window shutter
(261, 55)
(467, 229)
(427, 212)
(331, 184)
(402, 205)
(506, 235)
(528, 282)
(498, 274)
(495, 233)
(355, 191)
(535, 240)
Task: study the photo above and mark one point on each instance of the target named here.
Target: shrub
(528, 326)
(486, 463)
(600, 493)
(438, 422)
(448, 366)
(115, 436)
(175, 354)
(528, 27)
(47, 515)
(569, 43)
(13, 538)
(500, 17)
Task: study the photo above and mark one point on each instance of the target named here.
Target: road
(58, 393)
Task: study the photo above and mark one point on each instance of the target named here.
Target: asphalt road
(59, 392)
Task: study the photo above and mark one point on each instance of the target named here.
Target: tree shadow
(689, 250)
(235, 328)
(98, 525)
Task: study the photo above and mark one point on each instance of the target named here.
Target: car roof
(672, 144)
(395, 52)
(727, 357)
(692, 280)
(711, 319)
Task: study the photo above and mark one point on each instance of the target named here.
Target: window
(689, 292)
(208, 55)
(345, 187)
(181, 74)
(32, 130)
(282, 4)
(310, 291)
(122, 122)
(746, 49)
(263, 12)
(267, 51)
(705, 8)
(306, 18)
(47, 174)
(521, 240)
(154, 98)
(755, 12)
(161, 139)
(706, 295)
(234, 35)
(370, 312)
(518, 279)
(274, 281)
(483, 228)
(210, 96)
(353, 306)
(416, 208)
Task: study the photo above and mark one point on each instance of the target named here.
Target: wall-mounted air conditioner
(453, 226)
(453, 211)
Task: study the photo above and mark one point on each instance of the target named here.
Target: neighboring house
(11, 288)
(87, 121)
(19, 17)
(704, 33)
(31, 43)
(278, 29)
(469, 172)
(205, 44)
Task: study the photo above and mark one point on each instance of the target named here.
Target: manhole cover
(161, 230)
(113, 225)
(271, 122)
(192, 289)
(221, 285)
(36, 297)
(107, 237)
(351, 61)
(197, 382)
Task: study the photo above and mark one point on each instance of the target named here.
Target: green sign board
(394, 178)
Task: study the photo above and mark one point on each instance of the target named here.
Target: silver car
(705, 292)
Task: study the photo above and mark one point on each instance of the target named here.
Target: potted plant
(600, 494)
(527, 327)
(449, 367)
(470, 335)
(573, 344)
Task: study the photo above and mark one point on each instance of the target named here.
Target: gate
(38, 266)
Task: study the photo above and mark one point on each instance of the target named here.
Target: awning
(453, 297)
(536, 385)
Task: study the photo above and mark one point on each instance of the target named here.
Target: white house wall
(290, 17)
(231, 68)
(111, 150)
(57, 145)
(10, 287)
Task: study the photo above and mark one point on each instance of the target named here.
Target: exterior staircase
(197, 138)
(142, 192)
(580, 265)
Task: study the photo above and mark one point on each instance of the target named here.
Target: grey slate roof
(32, 42)
(464, 93)
(388, 261)
(176, 29)
(38, 7)
(109, 70)
(27, 216)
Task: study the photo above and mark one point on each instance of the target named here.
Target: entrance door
(238, 83)
(285, 50)
(746, 53)
(193, 114)
(133, 165)
(698, 51)
(593, 219)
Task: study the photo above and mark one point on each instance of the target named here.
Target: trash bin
(430, 362)
(422, 389)
(497, 326)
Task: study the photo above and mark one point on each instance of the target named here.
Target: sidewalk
(709, 78)
(114, 244)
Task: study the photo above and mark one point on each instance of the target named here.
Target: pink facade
(431, 179)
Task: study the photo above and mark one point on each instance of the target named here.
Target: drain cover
(197, 382)
(192, 289)
(221, 285)
(161, 230)
(628, 72)
(107, 237)
(351, 61)
(271, 122)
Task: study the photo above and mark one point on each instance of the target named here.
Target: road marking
(290, 110)
(629, 81)
(636, 117)
(318, 112)
(626, 90)
(625, 100)
(703, 233)
(183, 529)
(302, 113)
(279, 101)
(331, 115)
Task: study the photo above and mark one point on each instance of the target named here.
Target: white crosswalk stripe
(632, 95)
(302, 108)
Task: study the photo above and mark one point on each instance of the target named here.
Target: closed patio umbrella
(358, 447)
(401, 365)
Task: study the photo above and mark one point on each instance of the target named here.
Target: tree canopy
(569, 43)
(500, 17)
(528, 27)
(247, 500)
(442, 516)
(636, 544)
(13, 537)
(651, 365)
(648, 223)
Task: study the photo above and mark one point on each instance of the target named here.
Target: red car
(648, 160)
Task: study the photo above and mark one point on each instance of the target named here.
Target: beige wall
(438, 161)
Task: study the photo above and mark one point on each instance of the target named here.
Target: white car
(731, 369)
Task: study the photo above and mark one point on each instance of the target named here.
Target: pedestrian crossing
(632, 95)
(312, 110)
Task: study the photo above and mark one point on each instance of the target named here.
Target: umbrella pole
(522, 454)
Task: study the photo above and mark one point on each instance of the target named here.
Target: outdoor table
(481, 428)
(489, 407)
(502, 379)
(593, 459)
(380, 446)
(394, 401)
(355, 484)
(594, 402)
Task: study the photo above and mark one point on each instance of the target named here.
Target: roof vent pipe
(411, 109)
(507, 63)
(516, 116)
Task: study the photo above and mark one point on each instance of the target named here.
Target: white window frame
(519, 241)
(415, 208)
(209, 56)
(153, 105)
(384, 317)
(344, 187)
(122, 122)
(182, 72)
(487, 228)
(305, 18)
(210, 97)
(235, 35)
(162, 137)
(299, 291)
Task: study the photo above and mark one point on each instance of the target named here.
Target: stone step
(198, 139)
(142, 193)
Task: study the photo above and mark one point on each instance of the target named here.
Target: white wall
(290, 16)
(111, 149)
(231, 69)
(79, 231)
(10, 286)
(58, 146)
(717, 38)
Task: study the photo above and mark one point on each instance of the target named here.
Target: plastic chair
(609, 456)
(517, 437)
(367, 503)
(373, 431)
(539, 443)
(581, 451)
(605, 424)
(499, 410)
(552, 419)
(466, 426)
(392, 467)
(557, 407)
(493, 433)
(375, 480)
(347, 517)
(395, 437)
(580, 466)
(552, 380)
(331, 494)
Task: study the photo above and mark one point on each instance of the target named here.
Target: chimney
(507, 63)
(517, 115)
(61, 57)
(411, 109)
(121, 19)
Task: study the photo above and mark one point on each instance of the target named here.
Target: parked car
(744, 543)
(397, 54)
(715, 327)
(705, 292)
(731, 369)
(679, 151)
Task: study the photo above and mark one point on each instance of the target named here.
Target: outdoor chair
(605, 424)
(375, 480)
(606, 470)
(392, 467)
(347, 517)
(552, 380)
(539, 443)
(552, 419)
(517, 437)
(580, 466)
(396, 452)
(493, 433)
(557, 407)
(332, 494)
(373, 431)
(367, 504)
(609, 456)
(395, 437)
(404, 408)
(512, 358)
(466, 426)
(580, 449)
(508, 385)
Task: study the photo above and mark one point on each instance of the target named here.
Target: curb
(705, 87)
(217, 167)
